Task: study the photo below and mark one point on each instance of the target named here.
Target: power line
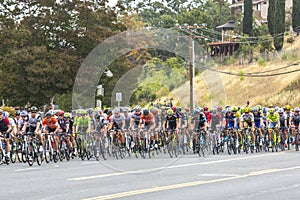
(254, 75)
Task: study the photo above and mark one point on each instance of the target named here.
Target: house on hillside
(260, 9)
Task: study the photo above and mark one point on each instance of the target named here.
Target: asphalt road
(253, 176)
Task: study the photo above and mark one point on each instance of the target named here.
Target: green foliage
(248, 18)
(40, 55)
(279, 29)
(262, 62)
(271, 17)
(241, 75)
(284, 57)
(296, 16)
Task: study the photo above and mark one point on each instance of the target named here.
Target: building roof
(229, 25)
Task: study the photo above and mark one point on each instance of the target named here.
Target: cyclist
(247, 121)
(4, 126)
(171, 122)
(50, 125)
(272, 123)
(199, 123)
(258, 121)
(207, 115)
(136, 117)
(32, 124)
(230, 122)
(295, 123)
(64, 124)
(283, 124)
(117, 122)
(147, 122)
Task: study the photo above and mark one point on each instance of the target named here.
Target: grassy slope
(277, 90)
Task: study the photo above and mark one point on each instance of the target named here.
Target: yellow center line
(188, 184)
(169, 167)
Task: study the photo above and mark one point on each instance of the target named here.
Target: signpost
(118, 98)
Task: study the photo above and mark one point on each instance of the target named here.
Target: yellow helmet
(246, 110)
(287, 107)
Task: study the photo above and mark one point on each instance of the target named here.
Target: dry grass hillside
(212, 88)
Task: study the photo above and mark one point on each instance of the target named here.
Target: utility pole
(192, 57)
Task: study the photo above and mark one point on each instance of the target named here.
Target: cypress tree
(296, 16)
(271, 15)
(279, 20)
(248, 18)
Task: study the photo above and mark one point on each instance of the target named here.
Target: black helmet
(48, 114)
(33, 108)
(18, 112)
(146, 112)
(97, 115)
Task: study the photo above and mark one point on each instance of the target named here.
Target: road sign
(118, 96)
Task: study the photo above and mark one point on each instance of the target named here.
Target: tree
(279, 29)
(247, 19)
(296, 16)
(271, 17)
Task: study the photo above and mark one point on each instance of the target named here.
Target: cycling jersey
(282, 119)
(215, 120)
(63, 124)
(171, 122)
(207, 116)
(51, 123)
(230, 119)
(127, 120)
(257, 119)
(32, 122)
(296, 120)
(199, 120)
(83, 122)
(137, 117)
(118, 120)
(4, 125)
(147, 119)
(273, 118)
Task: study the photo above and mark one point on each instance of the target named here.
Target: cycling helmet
(179, 109)
(246, 110)
(137, 107)
(48, 114)
(280, 110)
(297, 109)
(117, 110)
(60, 113)
(255, 109)
(277, 108)
(97, 115)
(89, 111)
(154, 111)
(146, 112)
(287, 107)
(272, 110)
(205, 108)
(174, 108)
(169, 111)
(23, 113)
(5, 114)
(109, 112)
(258, 107)
(264, 110)
(219, 108)
(235, 109)
(196, 111)
(17, 112)
(68, 115)
(33, 108)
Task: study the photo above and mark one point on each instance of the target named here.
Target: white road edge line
(27, 169)
(169, 167)
(188, 184)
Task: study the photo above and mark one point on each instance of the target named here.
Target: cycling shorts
(272, 124)
(257, 125)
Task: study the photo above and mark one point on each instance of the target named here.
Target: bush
(262, 63)
(10, 110)
(284, 57)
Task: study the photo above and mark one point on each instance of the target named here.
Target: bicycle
(231, 142)
(172, 145)
(3, 158)
(33, 150)
(48, 150)
(63, 150)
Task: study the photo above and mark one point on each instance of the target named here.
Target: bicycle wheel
(48, 151)
(103, 150)
(229, 147)
(38, 155)
(297, 141)
(13, 152)
(29, 156)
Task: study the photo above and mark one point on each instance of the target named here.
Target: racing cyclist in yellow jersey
(272, 123)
